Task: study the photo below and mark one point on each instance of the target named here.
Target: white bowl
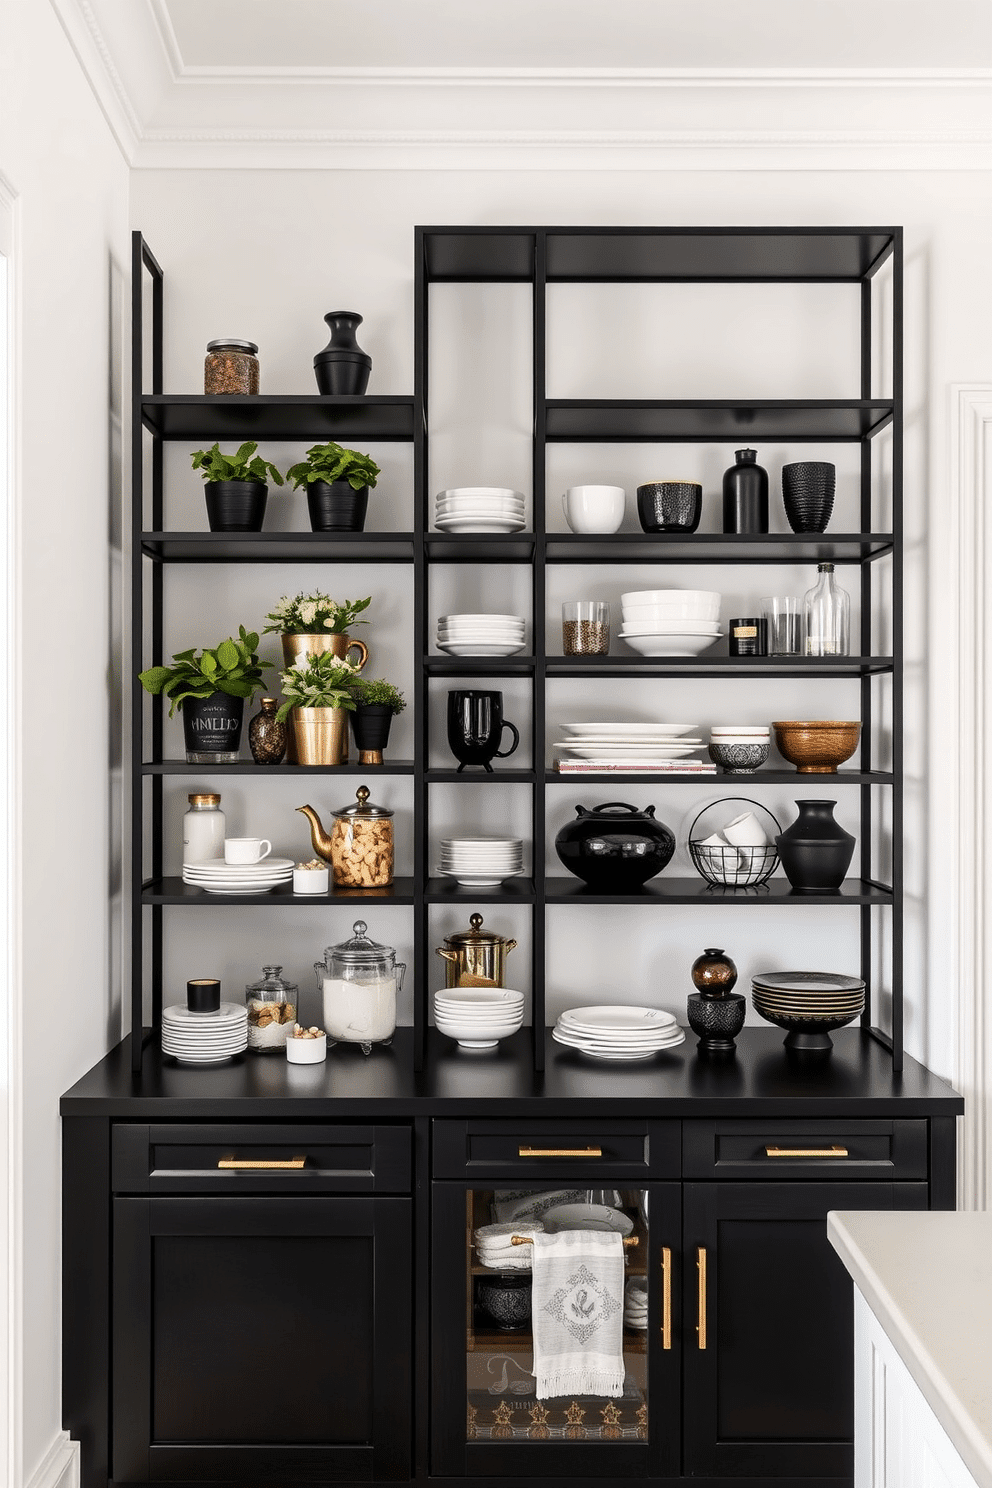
(670, 627)
(665, 596)
(306, 1051)
(670, 645)
(740, 730)
(670, 612)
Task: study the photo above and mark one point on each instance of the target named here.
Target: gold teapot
(475, 957)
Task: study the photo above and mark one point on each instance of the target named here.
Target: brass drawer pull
(528, 1240)
(666, 1297)
(701, 1296)
(805, 1151)
(240, 1164)
(559, 1151)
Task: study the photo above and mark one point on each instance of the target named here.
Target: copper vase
(296, 646)
(320, 736)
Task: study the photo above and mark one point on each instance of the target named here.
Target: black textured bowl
(717, 1020)
(808, 493)
(505, 1298)
(670, 506)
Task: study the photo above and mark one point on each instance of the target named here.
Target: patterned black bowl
(505, 1297)
(670, 506)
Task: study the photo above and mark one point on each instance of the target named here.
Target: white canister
(204, 828)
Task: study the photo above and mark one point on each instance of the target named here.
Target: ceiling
(539, 83)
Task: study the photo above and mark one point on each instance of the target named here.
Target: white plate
(514, 844)
(494, 631)
(658, 752)
(595, 1046)
(629, 1058)
(671, 596)
(619, 1040)
(483, 619)
(500, 491)
(466, 528)
(587, 1217)
(669, 645)
(479, 648)
(179, 1013)
(617, 1018)
(806, 981)
(479, 509)
(236, 888)
(234, 870)
(635, 730)
(623, 741)
(480, 880)
(208, 879)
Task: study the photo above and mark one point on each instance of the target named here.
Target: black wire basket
(733, 867)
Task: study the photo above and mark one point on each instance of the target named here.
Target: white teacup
(246, 849)
(746, 831)
(594, 508)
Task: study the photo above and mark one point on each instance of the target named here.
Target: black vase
(717, 1020)
(370, 725)
(815, 851)
(342, 366)
(745, 495)
(212, 726)
(335, 506)
(236, 506)
(808, 493)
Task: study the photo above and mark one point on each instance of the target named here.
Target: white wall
(70, 187)
(265, 253)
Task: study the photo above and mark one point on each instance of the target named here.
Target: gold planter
(296, 646)
(320, 736)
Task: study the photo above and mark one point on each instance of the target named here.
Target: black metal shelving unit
(540, 257)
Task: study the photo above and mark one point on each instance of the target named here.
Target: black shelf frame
(539, 257)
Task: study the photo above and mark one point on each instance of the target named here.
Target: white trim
(567, 77)
(962, 637)
(110, 90)
(59, 1468)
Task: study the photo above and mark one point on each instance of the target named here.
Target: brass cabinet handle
(559, 1151)
(701, 1301)
(805, 1151)
(240, 1163)
(666, 1297)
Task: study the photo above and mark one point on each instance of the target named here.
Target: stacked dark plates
(808, 1003)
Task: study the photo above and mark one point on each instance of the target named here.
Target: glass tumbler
(784, 617)
(585, 627)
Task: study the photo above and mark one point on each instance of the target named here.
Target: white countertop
(927, 1277)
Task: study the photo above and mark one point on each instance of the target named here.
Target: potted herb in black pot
(210, 689)
(337, 482)
(375, 705)
(236, 489)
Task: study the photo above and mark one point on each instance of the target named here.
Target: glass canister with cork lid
(358, 982)
(362, 844)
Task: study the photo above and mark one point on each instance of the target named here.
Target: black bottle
(745, 495)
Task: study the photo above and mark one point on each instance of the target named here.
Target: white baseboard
(59, 1468)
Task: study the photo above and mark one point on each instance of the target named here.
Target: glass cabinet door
(608, 1330)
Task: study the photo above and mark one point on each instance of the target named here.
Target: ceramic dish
(807, 981)
(618, 1017)
(479, 524)
(669, 627)
(479, 648)
(681, 645)
(635, 730)
(587, 1217)
(498, 491)
(671, 596)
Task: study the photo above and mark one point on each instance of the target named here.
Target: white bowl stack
(479, 509)
(481, 862)
(218, 877)
(635, 1304)
(617, 1032)
(478, 1017)
(481, 635)
(205, 1038)
(670, 622)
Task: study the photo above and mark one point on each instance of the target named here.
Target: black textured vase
(335, 506)
(670, 506)
(267, 734)
(236, 506)
(745, 494)
(808, 493)
(815, 851)
(717, 1020)
(506, 1299)
(342, 366)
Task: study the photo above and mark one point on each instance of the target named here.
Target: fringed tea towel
(577, 1313)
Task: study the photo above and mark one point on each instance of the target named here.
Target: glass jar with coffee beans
(585, 627)
(230, 367)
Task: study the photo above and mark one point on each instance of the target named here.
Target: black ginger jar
(815, 851)
(615, 848)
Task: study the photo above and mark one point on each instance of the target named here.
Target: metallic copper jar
(475, 957)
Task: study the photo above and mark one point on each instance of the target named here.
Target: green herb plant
(322, 681)
(331, 462)
(243, 465)
(232, 667)
(309, 614)
(377, 694)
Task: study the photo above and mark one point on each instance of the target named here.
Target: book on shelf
(631, 767)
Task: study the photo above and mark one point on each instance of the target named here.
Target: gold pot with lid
(475, 957)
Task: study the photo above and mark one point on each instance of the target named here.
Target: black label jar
(748, 636)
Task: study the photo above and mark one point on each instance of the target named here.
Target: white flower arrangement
(314, 614)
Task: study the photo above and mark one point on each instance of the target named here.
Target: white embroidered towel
(577, 1313)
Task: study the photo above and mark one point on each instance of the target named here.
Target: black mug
(475, 728)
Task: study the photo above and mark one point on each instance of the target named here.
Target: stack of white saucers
(478, 1017)
(218, 877)
(670, 622)
(479, 509)
(205, 1038)
(480, 862)
(634, 743)
(480, 635)
(618, 1032)
(635, 1303)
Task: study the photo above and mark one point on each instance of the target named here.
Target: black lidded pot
(615, 847)
(745, 494)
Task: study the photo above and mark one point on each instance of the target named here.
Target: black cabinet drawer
(877, 1150)
(534, 1150)
(256, 1158)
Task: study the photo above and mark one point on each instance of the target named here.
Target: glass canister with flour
(358, 981)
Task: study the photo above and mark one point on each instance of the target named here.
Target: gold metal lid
(205, 800)
(365, 807)
(474, 936)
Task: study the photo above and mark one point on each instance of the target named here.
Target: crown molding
(570, 77)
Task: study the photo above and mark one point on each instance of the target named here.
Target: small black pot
(506, 1298)
(717, 1020)
(815, 851)
(669, 506)
(212, 726)
(615, 847)
(336, 506)
(236, 506)
(370, 725)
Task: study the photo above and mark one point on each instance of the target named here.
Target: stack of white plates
(479, 509)
(478, 1017)
(480, 862)
(670, 622)
(205, 1038)
(629, 741)
(635, 1304)
(218, 877)
(618, 1032)
(480, 635)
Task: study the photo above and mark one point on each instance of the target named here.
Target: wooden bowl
(817, 746)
